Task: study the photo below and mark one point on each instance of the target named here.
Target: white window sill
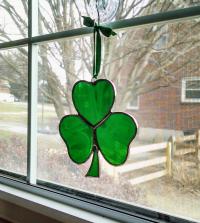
(55, 210)
(190, 101)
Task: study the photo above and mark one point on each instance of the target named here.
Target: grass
(6, 135)
(16, 112)
(13, 107)
(22, 119)
(19, 119)
(22, 107)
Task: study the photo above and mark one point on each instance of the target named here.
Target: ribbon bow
(106, 31)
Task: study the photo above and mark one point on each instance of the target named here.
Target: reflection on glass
(162, 170)
(13, 110)
(106, 9)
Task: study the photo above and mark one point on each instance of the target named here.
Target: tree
(131, 59)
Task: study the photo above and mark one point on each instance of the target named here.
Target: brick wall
(162, 108)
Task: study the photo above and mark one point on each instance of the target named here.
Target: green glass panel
(114, 137)
(93, 100)
(78, 137)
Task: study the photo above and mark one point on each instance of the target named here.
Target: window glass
(152, 176)
(193, 84)
(13, 110)
(57, 16)
(13, 20)
(191, 89)
(193, 94)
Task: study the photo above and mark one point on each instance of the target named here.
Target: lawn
(16, 112)
(13, 107)
(22, 107)
(5, 134)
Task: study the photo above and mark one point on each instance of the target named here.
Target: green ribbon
(98, 30)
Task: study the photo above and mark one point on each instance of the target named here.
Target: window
(191, 90)
(51, 51)
(158, 120)
(13, 110)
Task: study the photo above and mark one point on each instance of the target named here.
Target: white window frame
(183, 90)
(106, 207)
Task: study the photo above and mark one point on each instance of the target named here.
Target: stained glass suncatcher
(95, 128)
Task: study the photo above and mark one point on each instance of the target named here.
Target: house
(170, 104)
(169, 110)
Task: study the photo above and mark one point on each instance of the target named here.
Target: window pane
(193, 94)
(195, 84)
(13, 109)
(13, 20)
(57, 16)
(133, 64)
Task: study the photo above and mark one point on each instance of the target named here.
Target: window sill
(190, 101)
(55, 210)
(77, 206)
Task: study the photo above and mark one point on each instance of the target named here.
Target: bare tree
(142, 59)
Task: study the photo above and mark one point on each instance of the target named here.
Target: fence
(186, 145)
(171, 150)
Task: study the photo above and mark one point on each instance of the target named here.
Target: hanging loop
(98, 30)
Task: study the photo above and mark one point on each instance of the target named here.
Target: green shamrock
(95, 128)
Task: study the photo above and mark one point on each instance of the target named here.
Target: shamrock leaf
(114, 136)
(93, 100)
(96, 128)
(78, 137)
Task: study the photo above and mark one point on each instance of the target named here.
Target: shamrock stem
(94, 167)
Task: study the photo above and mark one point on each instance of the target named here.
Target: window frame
(184, 99)
(94, 203)
(106, 207)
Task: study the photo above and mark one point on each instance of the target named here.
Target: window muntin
(155, 76)
(13, 110)
(13, 20)
(191, 90)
